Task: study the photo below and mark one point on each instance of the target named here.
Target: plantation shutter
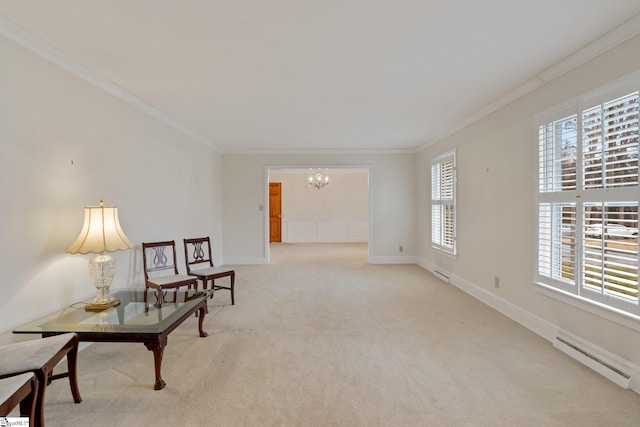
(443, 231)
(610, 161)
(610, 255)
(557, 155)
(588, 179)
(610, 143)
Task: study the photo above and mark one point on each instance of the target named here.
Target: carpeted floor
(321, 338)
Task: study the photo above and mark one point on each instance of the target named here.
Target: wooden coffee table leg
(158, 350)
(203, 311)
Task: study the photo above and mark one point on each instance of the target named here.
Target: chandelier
(318, 180)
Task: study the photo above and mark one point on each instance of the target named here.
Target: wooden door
(275, 212)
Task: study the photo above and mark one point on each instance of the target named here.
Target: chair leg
(39, 409)
(72, 363)
(204, 287)
(233, 279)
(28, 404)
(213, 287)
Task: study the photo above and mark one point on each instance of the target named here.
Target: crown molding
(613, 38)
(35, 44)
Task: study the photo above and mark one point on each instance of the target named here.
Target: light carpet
(321, 338)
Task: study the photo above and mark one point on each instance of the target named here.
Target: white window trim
(453, 252)
(611, 312)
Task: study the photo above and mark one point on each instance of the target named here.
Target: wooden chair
(161, 269)
(40, 357)
(197, 252)
(19, 390)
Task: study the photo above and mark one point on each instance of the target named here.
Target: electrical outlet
(400, 248)
(496, 281)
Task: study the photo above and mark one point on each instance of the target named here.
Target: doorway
(298, 213)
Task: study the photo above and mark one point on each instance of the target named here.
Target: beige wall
(496, 215)
(66, 144)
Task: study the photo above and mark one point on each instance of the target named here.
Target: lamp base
(102, 269)
(101, 307)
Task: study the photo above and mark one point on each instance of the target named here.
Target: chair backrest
(159, 257)
(197, 253)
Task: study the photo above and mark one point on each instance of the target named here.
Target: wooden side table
(19, 390)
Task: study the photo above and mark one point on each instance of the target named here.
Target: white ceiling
(316, 75)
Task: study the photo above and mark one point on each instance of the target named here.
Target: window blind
(588, 201)
(443, 200)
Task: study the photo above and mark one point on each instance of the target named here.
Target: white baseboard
(622, 372)
(534, 323)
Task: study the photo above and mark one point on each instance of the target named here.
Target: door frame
(265, 209)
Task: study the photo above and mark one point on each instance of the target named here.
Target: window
(443, 203)
(587, 198)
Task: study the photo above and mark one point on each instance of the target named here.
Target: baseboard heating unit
(594, 359)
(441, 274)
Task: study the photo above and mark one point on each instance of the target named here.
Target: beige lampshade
(101, 232)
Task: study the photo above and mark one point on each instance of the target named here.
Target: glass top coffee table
(141, 317)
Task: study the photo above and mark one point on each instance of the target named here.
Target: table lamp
(101, 233)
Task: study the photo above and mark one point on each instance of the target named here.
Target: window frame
(581, 197)
(438, 187)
